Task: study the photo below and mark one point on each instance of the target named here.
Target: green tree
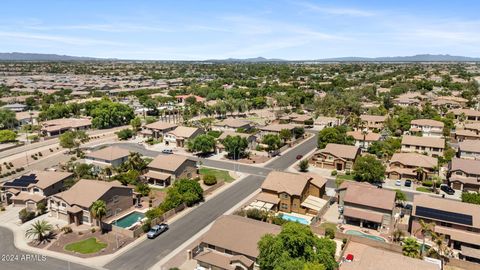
(411, 248)
(203, 143)
(385, 149)
(107, 114)
(83, 170)
(235, 146)
(134, 162)
(73, 139)
(7, 119)
(303, 165)
(143, 189)
(98, 210)
(273, 142)
(40, 229)
(136, 123)
(285, 135)
(7, 136)
(124, 134)
(334, 135)
(400, 196)
(471, 197)
(368, 169)
(426, 229)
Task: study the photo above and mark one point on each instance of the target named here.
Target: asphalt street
(13, 259)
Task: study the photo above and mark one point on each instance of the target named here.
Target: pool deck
(347, 227)
(306, 217)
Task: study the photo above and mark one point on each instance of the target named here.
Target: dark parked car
(167, 151)
(299, 157)
(447, 189)
(408, 183)
(157, 230)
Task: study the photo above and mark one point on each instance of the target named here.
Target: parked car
(299, 157)
(408, 183)
(167, 151)
(398, 183)
(157, 230)
(447, 189)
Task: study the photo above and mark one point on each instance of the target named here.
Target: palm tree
(40, 230)
(135, 162)
(442, 248)
(398, 235)
(98, 210)
(426, 229)
(411, 248)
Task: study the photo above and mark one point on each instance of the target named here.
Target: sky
(218, 29)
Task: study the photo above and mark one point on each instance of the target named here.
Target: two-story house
(32, 188)
(411, 166)
(431, 146)
(73, 205)
(180, 135)
(165, 169)
(109, 156)
(364, 139)
(373, 122)
(232, 125)
(469, 149)
(468, 115)
(464, 174)
(291, 192)
(427, 127)
(158, 129)
(334, 156)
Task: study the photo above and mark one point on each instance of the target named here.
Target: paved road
(148, 253)
(13, 259)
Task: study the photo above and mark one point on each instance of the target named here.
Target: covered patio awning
(363, 214)
(157, 175)
(459, 235)
(267, 197)
(314, 203)
(74, 209)
(25, 196)
(471, 252)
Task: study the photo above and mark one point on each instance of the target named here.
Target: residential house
(158, 129)
(166, 168)
(276, 128)
(16, 107)
(32, 188)
(366, 205)
(469, 131)
(427, 127)
(441, 104)
(364, 139)
(58, 126)
(231, 124)
(182, 98)
(411, 166)
(464, 174)
(469, 149)
(406, 102)
(232, 243)
(334, 156)
(27, 118)
(291, 192)
(458, 221)
(251, 138)
(180, 135)
(431, 146)
(373, 122)
(467, 115)
(109, 156)
(323, 122)
(73, 205)
(296, 118)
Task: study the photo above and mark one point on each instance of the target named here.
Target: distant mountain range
(17, 56)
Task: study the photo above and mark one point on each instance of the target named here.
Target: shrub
(146, 226)
(66, 229)
(427, 183)
(347, 172)
(25, 215)
(40, 154)
(42, 208)
(209, 179)
(334, 173)
(278, 220)
(330, 233)
(257, 214)
(93, 230)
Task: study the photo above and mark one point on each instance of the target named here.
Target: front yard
(219, 174)
(87, 246)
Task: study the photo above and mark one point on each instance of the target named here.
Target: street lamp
(116, 219)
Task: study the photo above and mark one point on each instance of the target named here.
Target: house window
(284, 196)
(64, 205)
(115, 199)
(284, 206)
(85, 219)
(36, 190)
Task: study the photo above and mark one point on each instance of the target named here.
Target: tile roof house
(59, 126)
(73, 205)
(366, 205)
(407, 165)
(166, 168)
(324, 121)
(231, 242)
(464, 174)
(468, 115)
(158, 129)
(427, 127)
(232, 124)
(109, 156)
(363, 140)
(335, 156)
(293, 192)
(431, 146)
(181, 134)
(33, 188)
(276, 128)
(373, 121)
(458, 221)
(469, 149)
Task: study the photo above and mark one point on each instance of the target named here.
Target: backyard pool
(358, 233)
(295, 219)
(129, 220)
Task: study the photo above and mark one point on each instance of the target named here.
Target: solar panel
(23, 181)
(444, 215)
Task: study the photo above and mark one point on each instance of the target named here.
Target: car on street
(157, 230)
(408, 183)
(299, 157)
(167, 151)
(398, 183)
(447, 189)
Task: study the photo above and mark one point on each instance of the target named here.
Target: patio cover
(314, 203)
(459, 235)
(363, 214)
(267, 197)
(157, 175)
(471, 252)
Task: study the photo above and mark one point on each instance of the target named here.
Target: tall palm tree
(442, 248)
(426, 229)
(40, 230)
(135, 162)
(98, 210)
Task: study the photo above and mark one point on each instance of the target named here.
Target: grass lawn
(424, 189)
(345, 177)
(87, 246)
(329, 225)
(220, 174)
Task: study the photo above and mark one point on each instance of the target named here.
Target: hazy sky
(206, 29)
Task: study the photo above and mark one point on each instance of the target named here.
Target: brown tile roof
(459, 235)
(267, 197)
(415, 160)
(25, 196)
(427, 122)
(109, 153)
(65, 123)
(370, 196)
(423, 141)
(469, 166)
(467, 112)
(473, 126)
(157, 175)
(168, 162)
(448, 205)
(43, 179)
(362, 214)
(340, 150)
(85, 192)
(278, 127)
(161, 125)
(469, 146)
(467, 133)
(369, 137)
(238, 234)
(184, 132)
(291, 183)
(222, 260)
(373, 118)
(233, 123)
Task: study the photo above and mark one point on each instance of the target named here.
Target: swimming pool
(295, 219)
(359, 233)
(129, 220)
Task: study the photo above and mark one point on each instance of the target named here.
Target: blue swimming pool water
(358, 233)
(129, 219)
(295, 219)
